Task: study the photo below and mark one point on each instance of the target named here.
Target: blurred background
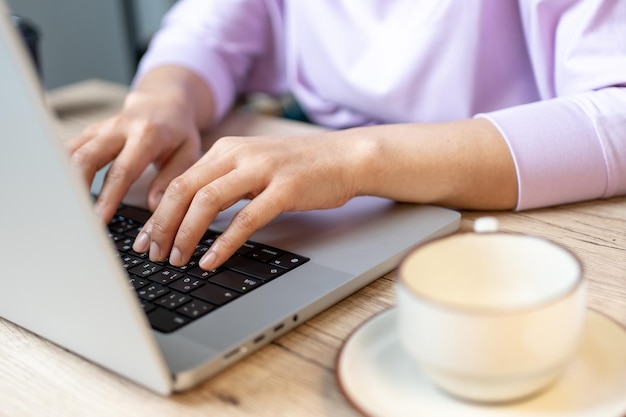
(75, 40)
(81, 39)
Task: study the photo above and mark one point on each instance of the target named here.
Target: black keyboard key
(264, 254)
(195, 309)
(187, 284)
(138, 282)
(124, 245)
(289, 261)
(200, 250)
(236, 281)
(173, 300)
(260, 270)
(215, 294)
(138, 215)
(152, 291)
(208, 238)
(198, 272)
(191, 264)
(145, 269)
(129, 261)
(115, 237)
(143, 255)
(122, 226)
(166, 321)
(147, 306)
(166, 276)
(247, 248)
(133, 232)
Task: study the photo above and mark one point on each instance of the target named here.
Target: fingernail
(141, 243)
(155, 252)
(176, 258)
(207, 262)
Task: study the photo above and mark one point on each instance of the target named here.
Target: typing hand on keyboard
(277, 173)
(173, 296)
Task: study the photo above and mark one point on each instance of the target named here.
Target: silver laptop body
(63, 281)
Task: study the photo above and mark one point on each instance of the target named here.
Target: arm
(461, 164)
(465, 164)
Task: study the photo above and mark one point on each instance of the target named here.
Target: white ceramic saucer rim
(369, 404)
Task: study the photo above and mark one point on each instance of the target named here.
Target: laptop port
(235, 352)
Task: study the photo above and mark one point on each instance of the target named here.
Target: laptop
(65, 280)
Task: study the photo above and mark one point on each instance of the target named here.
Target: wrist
(181, 87)
(361, 165)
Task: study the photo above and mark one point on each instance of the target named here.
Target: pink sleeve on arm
(209, 66)
(567, 149)
(572, 145)
(222, 41)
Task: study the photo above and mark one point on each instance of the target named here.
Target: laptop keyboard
(173, 297)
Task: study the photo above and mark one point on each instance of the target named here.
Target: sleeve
(230, 44)
(571, 145)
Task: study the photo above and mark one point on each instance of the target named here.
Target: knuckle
(159, 228)
(245, 221)
(144, 129)
(225, 140)
(83, 160)
(93, 129)
(179, 187)
(147, 128)
(208, 195)
(112, 125)
(226, 144)
(119, 173)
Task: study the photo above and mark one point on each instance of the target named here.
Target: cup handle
(486, 224)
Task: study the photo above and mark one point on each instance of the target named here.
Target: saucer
(377, 377)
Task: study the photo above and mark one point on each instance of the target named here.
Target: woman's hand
(158, 124)
(277, 174)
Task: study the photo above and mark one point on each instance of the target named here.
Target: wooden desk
(293, 376)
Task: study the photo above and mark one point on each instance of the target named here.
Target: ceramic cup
(490, 316)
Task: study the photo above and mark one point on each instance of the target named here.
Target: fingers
(89, 132)
(182, 159)
(131, 145)
(256, 214)
(127, 166)
(158, 233)
(188, 208)
(93, 149)
(131, 151)
(206, 205)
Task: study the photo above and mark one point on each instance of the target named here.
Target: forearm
(464, 164)
(180, 87)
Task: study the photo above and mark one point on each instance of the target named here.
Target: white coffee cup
(491, 317)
